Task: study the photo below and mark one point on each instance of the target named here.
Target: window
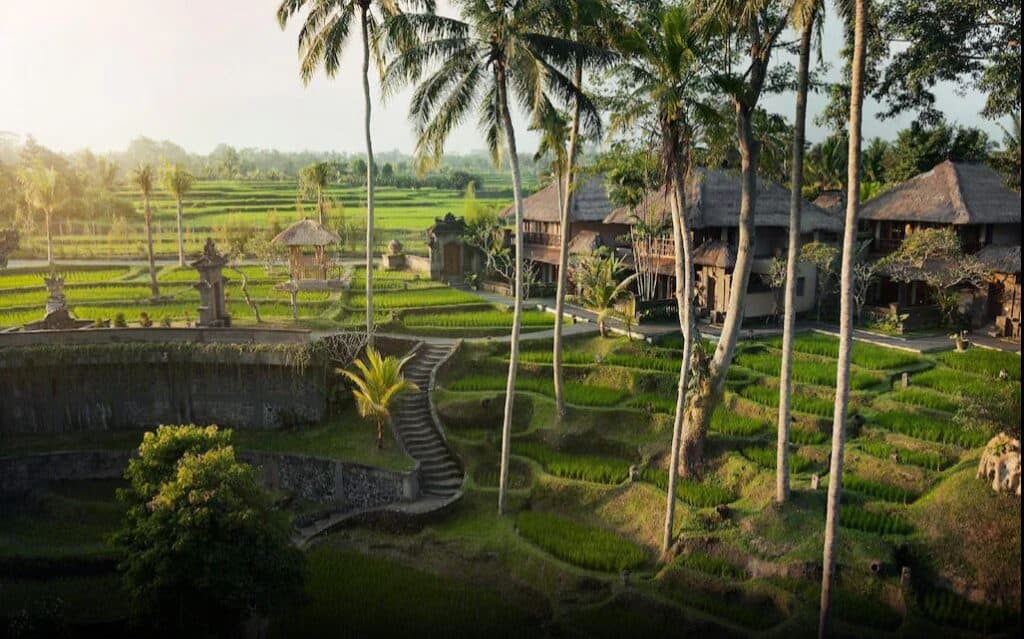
(800, 282)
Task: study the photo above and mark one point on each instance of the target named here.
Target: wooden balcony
(542, 239)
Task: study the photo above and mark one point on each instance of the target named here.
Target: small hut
(306, 241)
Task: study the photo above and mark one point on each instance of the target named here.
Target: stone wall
(344, 485)
(91, 387)
(157, 335)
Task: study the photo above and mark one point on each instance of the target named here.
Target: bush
(765, 457)
(693, 493)
(579, 544)
(867, 521)
(120, 321)
(593, 468)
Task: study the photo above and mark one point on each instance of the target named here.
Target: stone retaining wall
(344, 485)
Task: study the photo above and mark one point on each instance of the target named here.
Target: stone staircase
(440, 473)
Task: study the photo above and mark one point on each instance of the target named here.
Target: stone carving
(212, 307)
(1000, 464)
(57, 315)
(394, 259)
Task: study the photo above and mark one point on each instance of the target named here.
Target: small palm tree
(142, 178)
(313, 180)
(599, 291)
(44, 191)
(177, 181)
(378, 382)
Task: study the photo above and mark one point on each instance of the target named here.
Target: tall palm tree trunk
(49, 238)
(845, 323)
(517, 317)
(154, 287)
(792, 254)
(181, 235)
(563, 252)
(320, 205)
(684, 295)
(369, 173)
(711, 389)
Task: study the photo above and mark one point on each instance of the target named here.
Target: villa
(972, 199)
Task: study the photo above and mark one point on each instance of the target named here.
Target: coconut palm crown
(377, 383)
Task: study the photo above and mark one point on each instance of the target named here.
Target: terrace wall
(344, 485)
(70, 381)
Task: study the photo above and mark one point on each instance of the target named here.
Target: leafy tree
(856, 16)
(45, 191)
(824, 258)
(377, 384)
(865, 273)
(177, 181)
(598, 286)
(9, 239)
(201, 546)
(975, 44)
(495, 53)
(825, 166)
(142, 178)
(920, 147)
(358, 166)
(1007, 159)
(936, 257)
(313, 182)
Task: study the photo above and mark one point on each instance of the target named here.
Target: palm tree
(142, 177)
(751, 26)
(44, 190)
(599, 290)
(497, 48)
(583, 21)
(663, 57)
(379, 381)
(177, 181)
(314, 180)
(804, 17)
(858, 15)
(322, 40)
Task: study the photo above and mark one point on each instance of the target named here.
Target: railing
(543, 239)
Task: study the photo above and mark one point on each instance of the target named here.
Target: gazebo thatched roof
(306, 232)
(951, 193)
(1000, 259)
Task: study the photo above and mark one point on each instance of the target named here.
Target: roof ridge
(956, 194)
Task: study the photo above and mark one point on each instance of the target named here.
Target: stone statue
(1000, 464)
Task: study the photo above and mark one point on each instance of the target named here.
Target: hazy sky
(200, 72)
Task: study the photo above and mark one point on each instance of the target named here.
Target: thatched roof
(713, 200)
(306, 232)
(1001, 259)
(715, 253)
(585, 242)
(832, 200)
(951, 193)
(589, 203)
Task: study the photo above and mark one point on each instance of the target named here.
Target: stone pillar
(212, 309)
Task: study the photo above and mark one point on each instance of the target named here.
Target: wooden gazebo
(300, 237)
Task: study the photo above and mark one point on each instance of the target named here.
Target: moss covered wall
(65, 388)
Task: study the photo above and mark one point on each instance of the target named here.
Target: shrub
(923, 459)
(765, 457)
(120, 321)
(924, 398)
(593, 468)
(709, 564)
(693, 493)
(579, 544)
(867, 521)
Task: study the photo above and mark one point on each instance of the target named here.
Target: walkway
(417, 431)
